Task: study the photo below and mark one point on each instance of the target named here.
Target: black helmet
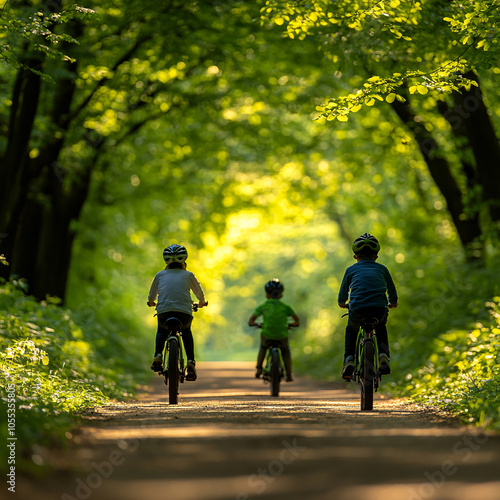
(174, 253)
(366, 244)
(274, 288)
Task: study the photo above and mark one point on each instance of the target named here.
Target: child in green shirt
(275, 325)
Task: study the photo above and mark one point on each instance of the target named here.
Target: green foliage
(380, 36)
(195, 126)
(375, 88)
(60, 363)
(461, 373)
(39, 25)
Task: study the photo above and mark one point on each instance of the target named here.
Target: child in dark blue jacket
(367, 284)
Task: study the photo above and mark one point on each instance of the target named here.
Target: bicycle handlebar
(196, 306)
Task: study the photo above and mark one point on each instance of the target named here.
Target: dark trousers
(354, 324)
(285, 352)
(187, 334)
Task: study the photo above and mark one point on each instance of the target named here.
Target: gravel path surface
(228, 439)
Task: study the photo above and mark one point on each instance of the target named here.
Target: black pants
(285, 352)
(187, 334)
(354, 324)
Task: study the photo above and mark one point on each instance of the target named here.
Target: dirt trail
(228, 439)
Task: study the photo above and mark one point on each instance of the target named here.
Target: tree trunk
(14, 165)
(467, 226)
(478, 128)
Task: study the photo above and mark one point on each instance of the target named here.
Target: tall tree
(133, 63)
(394, 45)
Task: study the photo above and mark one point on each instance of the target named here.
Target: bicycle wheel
(173, 371)
(368, 376)
(275, 372)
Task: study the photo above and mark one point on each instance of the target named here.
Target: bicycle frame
(272, 371)
(266, 369)
(173, 359)
(173, 364)
(174, 337)
(366, 369)
(273, 366)
(366, 334)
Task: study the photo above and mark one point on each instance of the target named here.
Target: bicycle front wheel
(368, 376)
(275, 372)
(173, 371)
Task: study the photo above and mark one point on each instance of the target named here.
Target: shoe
(384, 367)
(157, 363)
(348, 369)
(289, 378)
(258, 373)
(191, 370)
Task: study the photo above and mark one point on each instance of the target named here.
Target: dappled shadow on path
(227, 439)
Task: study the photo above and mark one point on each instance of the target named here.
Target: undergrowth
(462, 373)
(56, 364)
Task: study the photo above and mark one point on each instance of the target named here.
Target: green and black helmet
(366, 244)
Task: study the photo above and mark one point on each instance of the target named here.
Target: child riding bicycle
(367, 285)
(275, 325)
(173, 288)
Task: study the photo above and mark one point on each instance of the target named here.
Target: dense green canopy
(126, 126)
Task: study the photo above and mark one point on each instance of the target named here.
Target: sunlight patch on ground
(438, 491)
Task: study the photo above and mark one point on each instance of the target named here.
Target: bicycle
(366, 361)
(273, 368)
(173, 365)
(366, 365)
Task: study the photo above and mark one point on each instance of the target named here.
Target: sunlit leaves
(54, 365)
(461, 374)
(42, 30)
(421, 89)
(378, 24)
(306, 19)
(378, 89)
(477, 24)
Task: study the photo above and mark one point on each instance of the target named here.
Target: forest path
(228, 439)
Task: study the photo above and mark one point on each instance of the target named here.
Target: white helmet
(174, 253)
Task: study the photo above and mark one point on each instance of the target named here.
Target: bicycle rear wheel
(173, 371)
(368, 376)
(275, 372)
